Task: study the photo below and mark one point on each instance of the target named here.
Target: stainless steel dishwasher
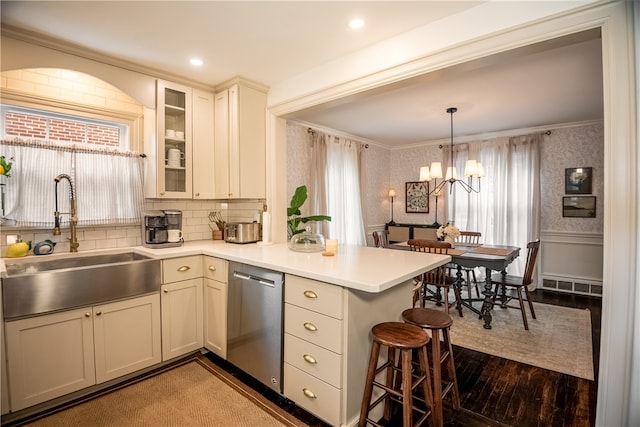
(254, 322)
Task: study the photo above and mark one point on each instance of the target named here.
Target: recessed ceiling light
(356, 24)
(196, 61)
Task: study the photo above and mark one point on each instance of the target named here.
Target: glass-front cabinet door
(174, 150)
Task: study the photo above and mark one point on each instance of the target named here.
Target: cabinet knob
(212, 268)
(197, 194)
(184, 268)
(98, 313)
(166, 291)
(162, 193)
(87, 314)
(310, 359)
(310, 294)
(310, 327)
(309, 393)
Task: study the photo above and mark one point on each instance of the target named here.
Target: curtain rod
(364, 144)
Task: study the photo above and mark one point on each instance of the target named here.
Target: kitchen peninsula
(343, 296)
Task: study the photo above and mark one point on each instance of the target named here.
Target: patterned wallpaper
(580, 146)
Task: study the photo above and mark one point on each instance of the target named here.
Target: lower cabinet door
(49, 356)
(215, 317)
(314, 395)
(127, 336)
(181, 318)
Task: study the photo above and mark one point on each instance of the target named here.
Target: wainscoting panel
(571, 262)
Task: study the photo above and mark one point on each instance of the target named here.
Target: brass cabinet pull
(310, 294)
(166, 291)
(98, 313)
(212, 267)
(197, 194)
(309, 359)
(309, 393)
(310, 326)
(184, 268)
(87, 315)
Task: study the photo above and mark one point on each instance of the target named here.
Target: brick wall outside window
(31, 126)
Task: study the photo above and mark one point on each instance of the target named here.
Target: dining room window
(336, 187)
(507, 209)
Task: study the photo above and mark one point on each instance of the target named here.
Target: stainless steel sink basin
(42, 286)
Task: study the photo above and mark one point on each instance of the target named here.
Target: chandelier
(473, 169)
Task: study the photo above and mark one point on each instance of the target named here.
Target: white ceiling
(269, 42)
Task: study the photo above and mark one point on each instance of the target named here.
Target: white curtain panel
(107, 185)
(507, 209)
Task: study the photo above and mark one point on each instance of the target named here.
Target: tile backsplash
(195, 225)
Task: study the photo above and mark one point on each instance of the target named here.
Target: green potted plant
(294, 218)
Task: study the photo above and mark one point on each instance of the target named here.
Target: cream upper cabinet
(203, 145)
(181, 158)
(240, 135)
(174, 140)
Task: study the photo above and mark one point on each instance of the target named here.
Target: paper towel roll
(266, 227)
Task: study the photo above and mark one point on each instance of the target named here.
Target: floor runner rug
(196, 393)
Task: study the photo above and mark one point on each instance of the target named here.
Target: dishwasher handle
(259, 280)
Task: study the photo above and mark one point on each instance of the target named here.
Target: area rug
(558, 340)
(196, 393)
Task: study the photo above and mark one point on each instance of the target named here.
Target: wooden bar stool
(406, 338)
(436, 321)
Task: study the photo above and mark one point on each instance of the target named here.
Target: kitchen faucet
(73, 220)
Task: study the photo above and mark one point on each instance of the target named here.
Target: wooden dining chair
(381, 238)
(506, 281)
(473, 238)
(436, 277)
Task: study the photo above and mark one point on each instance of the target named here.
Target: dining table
(491, 258)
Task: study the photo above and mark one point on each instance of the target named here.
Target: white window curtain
(507, 209)
(108, 185)
(336, 170)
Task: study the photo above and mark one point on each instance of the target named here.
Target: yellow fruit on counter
(18, 250)
(1, 170)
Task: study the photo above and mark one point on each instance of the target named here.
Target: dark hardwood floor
(500, 392)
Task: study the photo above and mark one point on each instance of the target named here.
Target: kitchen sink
(32, 287)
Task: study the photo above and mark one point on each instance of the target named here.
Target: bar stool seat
(401, 381)
(437, 321)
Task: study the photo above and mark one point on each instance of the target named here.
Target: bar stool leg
(437, 377)
(368, 388)
(451, 368)
(407, 389)
(391, 382)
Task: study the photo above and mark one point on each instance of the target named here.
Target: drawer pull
(309, 393)
(87, 315)
(310, 327)
(166, 291)
(310, 294)
(98, 313)
(310, 359)
(184, 268)
(212, 268)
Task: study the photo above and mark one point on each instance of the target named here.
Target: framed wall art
(577, 180)
(417, 197)
(579, 206)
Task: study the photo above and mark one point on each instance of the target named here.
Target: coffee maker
(162, 229)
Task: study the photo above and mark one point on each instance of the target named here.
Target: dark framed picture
(579, 206)
(577, 181)
(417, 197)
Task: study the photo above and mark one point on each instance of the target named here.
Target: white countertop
(356, 267)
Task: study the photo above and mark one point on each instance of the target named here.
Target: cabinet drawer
(317, 361)
(314, 395)
(215, 268)
(176, 269)
(313, 295)
(316, 328)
